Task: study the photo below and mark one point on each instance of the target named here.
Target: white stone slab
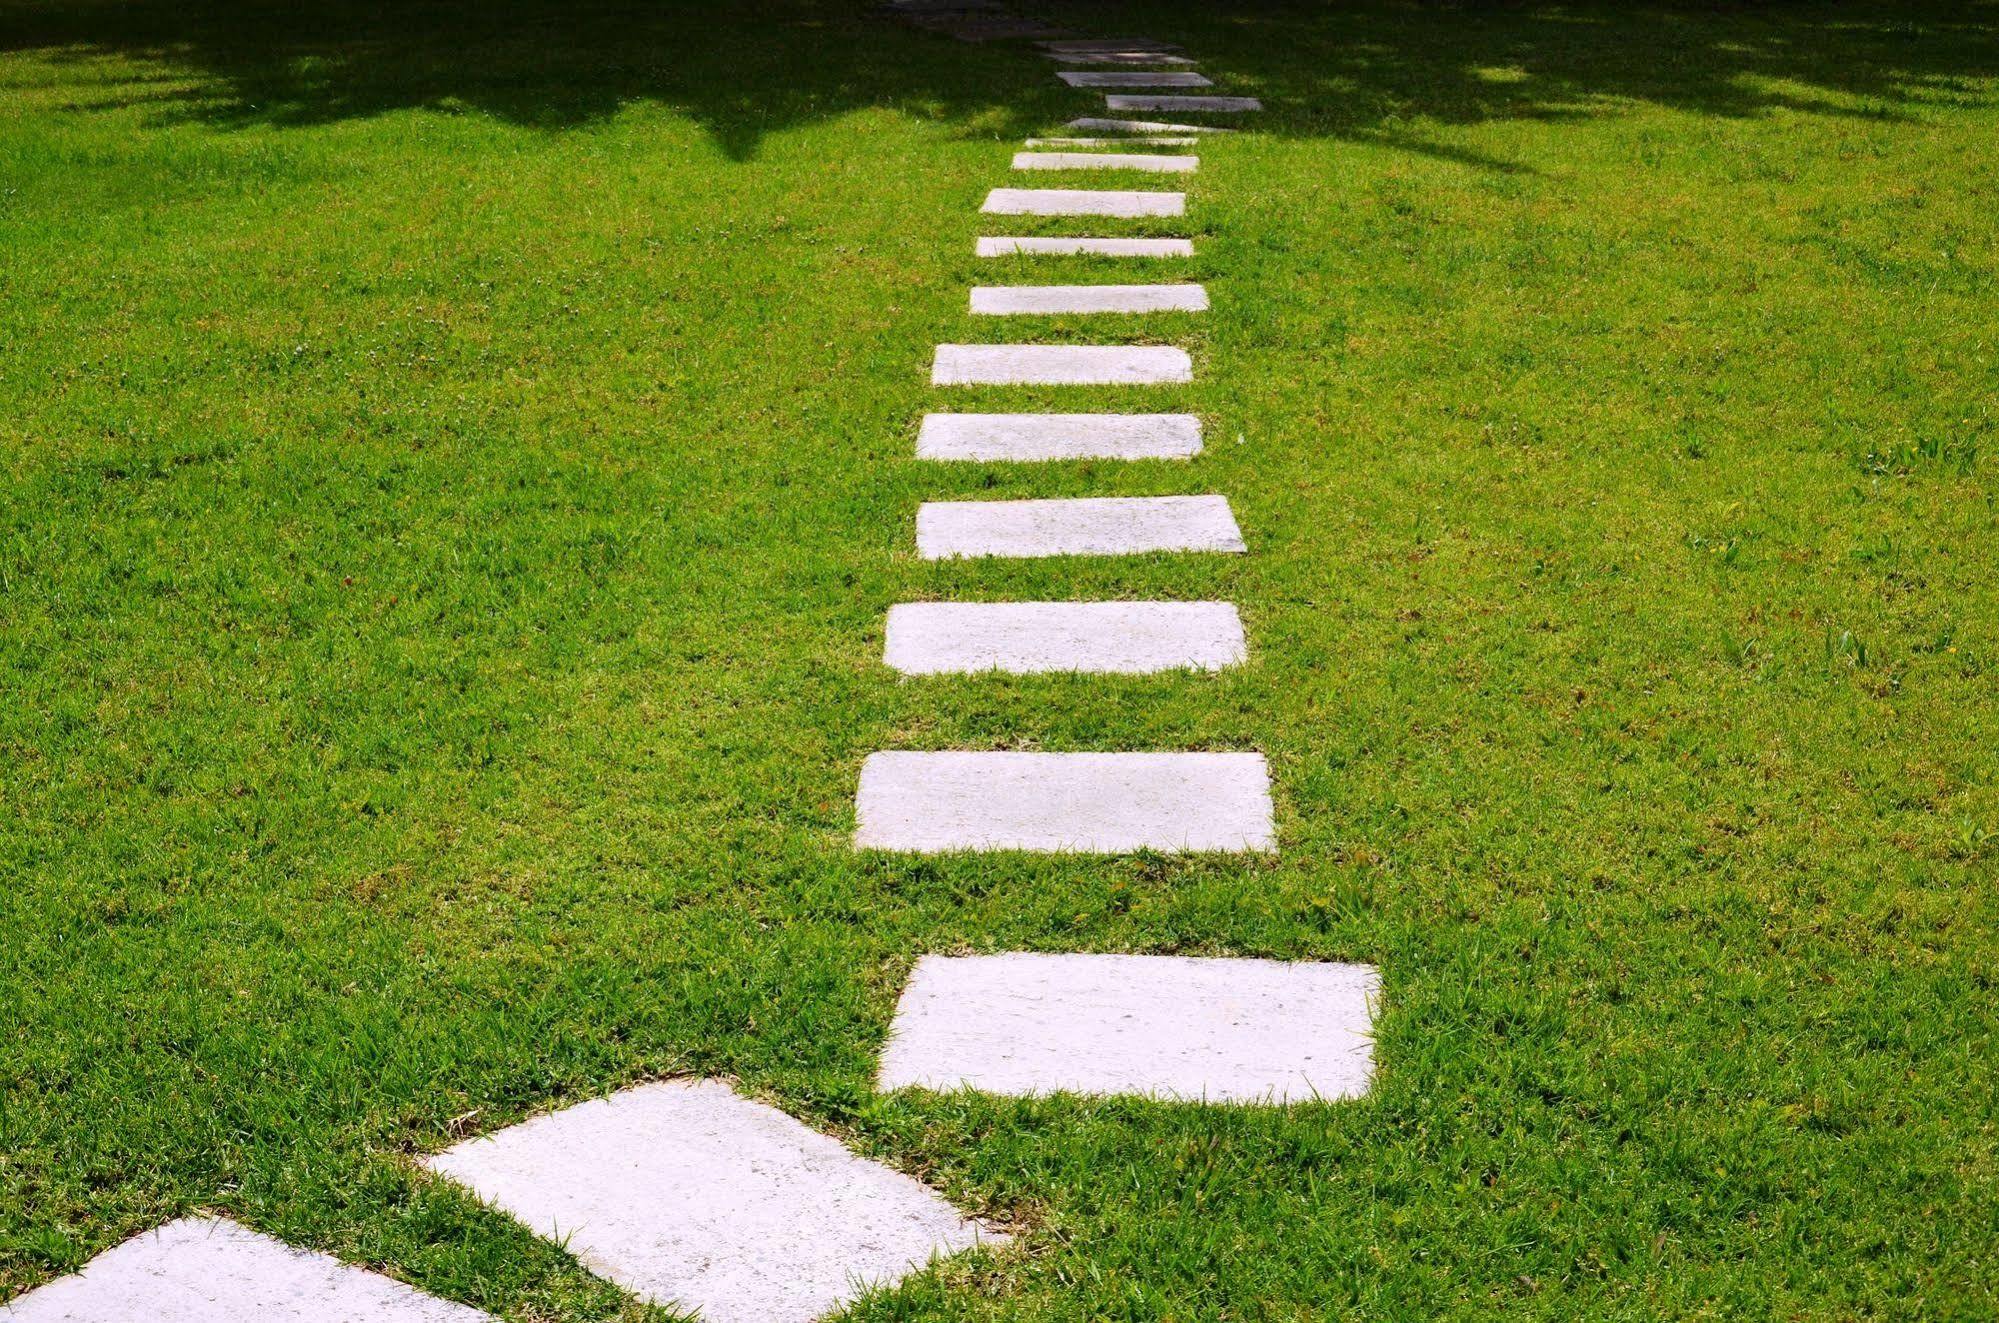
(1091, 526)
(1060, 365)
(1034, 300)
(1144, 101)
(1010, 246)
(1097, 45)
(690, 1195)
(1100, 803)
(1212, 1030)
(1034, 437)
(1138, 140)
(210, 1270)
(1082, 202)
(1132, 78)
(1157, 165)
(1090, 124)
(1120, 56)
(1026, 638)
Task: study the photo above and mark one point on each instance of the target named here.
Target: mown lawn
(458, 458)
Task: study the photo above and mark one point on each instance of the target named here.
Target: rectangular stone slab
(1060, 365)
(1142, 101)
(1027, 638)
(211, 1270)
(1096, 45)
(1157, 165)
(1136, 141)
(1089, 526)
(1090, 124)
(1096, 803)
(1171, 1027)
(1082, 202)
(1028, 300)
(1030, 437)
(1122, 56)
(690, 1195)
(1133, 78)
(1008, 246)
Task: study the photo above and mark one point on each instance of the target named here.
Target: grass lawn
(458, 459)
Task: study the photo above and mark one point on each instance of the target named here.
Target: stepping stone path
(1234, 1031)
(1081, 202)
(1060, 365)
(1131, 78)
(1030, 437)
(210, 1270)
(695, 1197)
(1097, 803)
(1159, 165)
(1015, 300)
(1022, 638)
(1090, 526)
(1008, 246)
(690, 1195)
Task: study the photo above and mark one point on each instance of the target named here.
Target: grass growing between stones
(459, 461)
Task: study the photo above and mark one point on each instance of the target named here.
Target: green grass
(458, 461)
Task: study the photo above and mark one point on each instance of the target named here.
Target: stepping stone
(210, 1270)
(1112, 142)
(1189, 1029)
(1116, 57)
(1081, 202)
(1018, 300)
(1091, 78)
(1231, 104)
(1026, 638)
(1098, 45)
(1095, 125)
(694, 1197)
(1100, 803)
(1060, 365)
(1159, 165)
(1009, 246)
(1091, 526)
(1029, 437)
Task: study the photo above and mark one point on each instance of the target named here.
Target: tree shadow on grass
(1374, 70)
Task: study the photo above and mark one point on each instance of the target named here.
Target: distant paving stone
(692, 1196)
(1060, 365)
(1131, 78)
(1032, 437)
(1170, 1027)
(1091, 124)
(1033, 300)
(1009, 246)
(210, 1270)
(1025, 638)
(1140, 101)
(1159, 165)
(1117, 57)
(1088, 526)
(1139, 141)
(1082, 202)
(1098, 45)
(1097, 803)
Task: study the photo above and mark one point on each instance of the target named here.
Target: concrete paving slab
(1007, 246)
(1139, 140)
(211, 1270)
(1100, 803)
(1148, 163)
(1169, 1027)
(1034, 437)
(1089, 526)
(1145, 101)
(1060, 365)
(1132, 78)
(690, 1195)
(1027, 638)
(1051, 300)
(1094, 124)
(1082, 202)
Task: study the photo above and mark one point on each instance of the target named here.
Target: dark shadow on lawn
(1364, 70)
